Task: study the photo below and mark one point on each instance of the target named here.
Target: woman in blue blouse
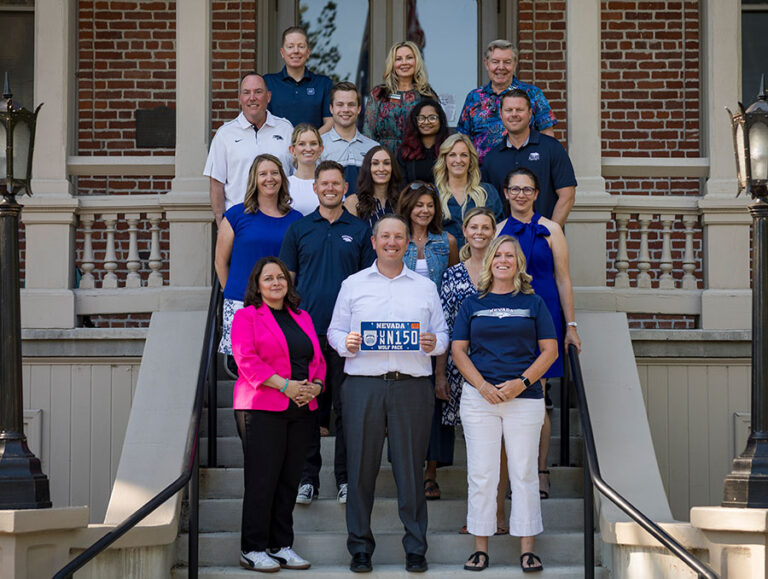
(503, 343)
(457, 178)
(249, 231)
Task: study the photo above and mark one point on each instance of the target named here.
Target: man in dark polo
(542, 154)
(387, 323)
(321, 250)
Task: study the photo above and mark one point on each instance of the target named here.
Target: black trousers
(334, 377)
(274, 445)
(401, 409)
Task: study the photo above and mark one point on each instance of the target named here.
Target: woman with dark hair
(378, 186)
(546, 252)
(503, 342)
(431, 251)
(249, 231)
(426, 130)
(282, 371)
(390, 103)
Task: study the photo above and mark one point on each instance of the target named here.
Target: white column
(49, 215)
(586, 228)
(187, 206)
(726, 300)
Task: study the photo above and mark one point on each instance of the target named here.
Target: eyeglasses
(421, 119)
(515, 191)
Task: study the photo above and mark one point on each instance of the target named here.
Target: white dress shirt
(236, 145)
(370, 296)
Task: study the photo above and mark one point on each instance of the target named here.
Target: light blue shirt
(349, 154)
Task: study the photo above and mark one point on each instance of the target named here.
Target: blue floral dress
(457, 285)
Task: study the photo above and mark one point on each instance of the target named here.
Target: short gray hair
(500, 44)
(396, 217)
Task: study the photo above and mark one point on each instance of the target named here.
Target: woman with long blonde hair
(457, 179)
(390, 103)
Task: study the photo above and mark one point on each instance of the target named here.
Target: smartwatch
(526, 382)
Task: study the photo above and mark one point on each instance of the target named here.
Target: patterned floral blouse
(385, 118)
(457, 285)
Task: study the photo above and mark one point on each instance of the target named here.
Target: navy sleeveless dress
(541, 266)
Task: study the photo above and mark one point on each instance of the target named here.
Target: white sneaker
(259, 561)
(306, 494)
(289, 559)
(341, 498)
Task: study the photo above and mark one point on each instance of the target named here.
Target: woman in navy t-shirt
(249, 231)
(503, 342)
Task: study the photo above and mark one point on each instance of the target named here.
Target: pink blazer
(260, 350)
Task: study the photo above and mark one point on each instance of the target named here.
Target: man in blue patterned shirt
(480, 118)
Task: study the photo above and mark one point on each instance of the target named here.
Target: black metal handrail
(206, 373)
(592, 477)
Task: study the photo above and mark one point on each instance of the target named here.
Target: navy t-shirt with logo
(503, 332)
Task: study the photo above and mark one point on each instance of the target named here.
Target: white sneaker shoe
(306, 494)
(259, 561)
(289, 559)
(341, 498)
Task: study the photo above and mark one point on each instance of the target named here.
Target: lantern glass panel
(740, 153)
(21, 140)
(3, 159)
(758, 150)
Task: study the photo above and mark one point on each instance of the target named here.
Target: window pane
(449, 29)
(336, 34)
(754, 47)
(17, 54)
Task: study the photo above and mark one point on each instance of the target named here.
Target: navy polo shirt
(322, 255)
(306, 101)
(542, 154)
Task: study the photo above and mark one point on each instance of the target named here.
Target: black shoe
(415, 563)
(231, 367)
(361, 563)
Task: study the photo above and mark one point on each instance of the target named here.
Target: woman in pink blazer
(281, 372)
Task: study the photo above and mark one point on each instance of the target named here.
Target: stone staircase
(321, 529)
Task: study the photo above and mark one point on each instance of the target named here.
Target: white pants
(520, 421)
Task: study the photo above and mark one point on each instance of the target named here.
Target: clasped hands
(302, 392)
(427, 342)
(501, 392)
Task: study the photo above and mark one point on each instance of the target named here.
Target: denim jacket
(436, 251)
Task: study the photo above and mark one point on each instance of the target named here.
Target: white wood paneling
(85, 405)
(691, 405)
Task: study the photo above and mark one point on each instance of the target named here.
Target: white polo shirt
(236, 145)
(368, 295)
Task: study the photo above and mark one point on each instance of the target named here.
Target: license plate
(390, 336)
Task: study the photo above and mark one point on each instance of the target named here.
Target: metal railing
(592, 477)
(206, 373)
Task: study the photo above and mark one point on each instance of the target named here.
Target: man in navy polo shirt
(542, 154)
(321, 250)
(298, 94)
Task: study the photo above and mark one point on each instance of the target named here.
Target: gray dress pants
(401, 409)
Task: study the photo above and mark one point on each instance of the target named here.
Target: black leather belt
(397, 376)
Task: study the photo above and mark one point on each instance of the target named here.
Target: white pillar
(587, 222)
(49, 215)
(726, 301)
(187, 205)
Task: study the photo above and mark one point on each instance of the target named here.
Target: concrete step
(227, 483)
(230, 451)
(494, 571)
(226, 422)
(329, 548)
(326, 515)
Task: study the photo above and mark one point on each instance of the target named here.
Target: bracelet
(572, 325)
(286, 385)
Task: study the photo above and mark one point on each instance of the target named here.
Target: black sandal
(431, 489)
(474, 558)
(530, 559)
(544, 493)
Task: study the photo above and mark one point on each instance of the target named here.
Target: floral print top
(385, 118)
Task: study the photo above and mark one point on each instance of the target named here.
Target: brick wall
(233, 53)
(541, 42)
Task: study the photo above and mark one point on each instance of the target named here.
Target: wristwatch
(526, 382)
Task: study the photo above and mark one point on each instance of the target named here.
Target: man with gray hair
(480, 119)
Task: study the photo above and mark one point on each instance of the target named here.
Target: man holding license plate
(387, 322)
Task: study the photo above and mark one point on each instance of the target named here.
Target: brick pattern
(233, 40)
(118, 321)
(662, 322)
(541, 42)
(126, 61)
(650, 78)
